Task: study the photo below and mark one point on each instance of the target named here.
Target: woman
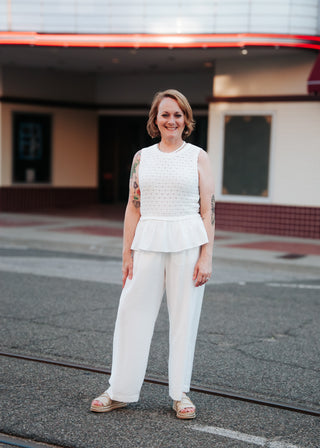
(168, 242)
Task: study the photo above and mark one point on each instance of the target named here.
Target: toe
(187, 410)
(96, 403)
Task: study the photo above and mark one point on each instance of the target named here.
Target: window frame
(14, 117)
(245, 198)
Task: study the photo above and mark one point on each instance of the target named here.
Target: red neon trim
(158, 40)
(142, 35)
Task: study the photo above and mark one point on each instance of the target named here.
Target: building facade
(77, 78)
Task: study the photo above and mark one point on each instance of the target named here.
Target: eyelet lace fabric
(169, 185)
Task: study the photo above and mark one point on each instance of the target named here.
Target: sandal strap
(104, 399)
(184, 403)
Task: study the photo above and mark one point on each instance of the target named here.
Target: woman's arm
(131, 219)
(203, 268)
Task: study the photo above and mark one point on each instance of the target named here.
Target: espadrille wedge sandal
(184, 408)
(106, 404)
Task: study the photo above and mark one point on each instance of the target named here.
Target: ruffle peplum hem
(169, 234)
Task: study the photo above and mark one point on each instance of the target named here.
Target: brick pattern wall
(18, 199)
(269, 219)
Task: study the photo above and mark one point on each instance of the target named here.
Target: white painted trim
(242, 437)
(240, 198)
(293, 285)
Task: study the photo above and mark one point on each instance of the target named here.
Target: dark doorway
(120, 137)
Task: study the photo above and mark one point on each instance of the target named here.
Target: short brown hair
(184, 105)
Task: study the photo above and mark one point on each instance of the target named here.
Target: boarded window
(32, 148)
(246, 155)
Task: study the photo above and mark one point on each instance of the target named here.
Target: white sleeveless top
(169, 184)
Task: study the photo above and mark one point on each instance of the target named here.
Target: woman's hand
(127, 267)
(203, 270)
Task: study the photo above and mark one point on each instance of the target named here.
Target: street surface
(258, 336)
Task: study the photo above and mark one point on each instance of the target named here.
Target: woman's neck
(169, 145)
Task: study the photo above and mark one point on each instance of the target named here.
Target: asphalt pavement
(60, 277)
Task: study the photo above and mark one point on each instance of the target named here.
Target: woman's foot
(103, 403)
(184, 408)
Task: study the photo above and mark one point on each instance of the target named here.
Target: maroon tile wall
(269, 219)
(255, 218)
(18, 199)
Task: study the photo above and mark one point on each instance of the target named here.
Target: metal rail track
(22, 442)
(204, 390)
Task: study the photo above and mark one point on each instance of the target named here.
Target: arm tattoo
(134, 181)
(213, 207)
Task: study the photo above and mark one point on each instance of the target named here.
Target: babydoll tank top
(169, 204)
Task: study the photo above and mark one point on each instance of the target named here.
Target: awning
(314, 78)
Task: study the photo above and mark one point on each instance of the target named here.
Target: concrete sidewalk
(98, 230)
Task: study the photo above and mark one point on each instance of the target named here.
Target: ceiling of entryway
(126, 60)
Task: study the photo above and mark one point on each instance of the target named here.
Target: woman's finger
(127, 272)
(130, 271)
(195, 273)
(124, 278)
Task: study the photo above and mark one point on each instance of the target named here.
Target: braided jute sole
(109, 406)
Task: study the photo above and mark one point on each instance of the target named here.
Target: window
(246, 155)
(32, 148)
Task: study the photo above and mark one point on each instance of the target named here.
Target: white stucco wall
(277, 75)
(74, 145)
(295, 157)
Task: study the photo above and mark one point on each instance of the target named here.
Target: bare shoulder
(204, 162)
(205, 170)
(137, 156)
(135, 166)
(203, 156)
(136, 160)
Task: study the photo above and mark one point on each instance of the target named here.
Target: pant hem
(124, 398)
(178, 396)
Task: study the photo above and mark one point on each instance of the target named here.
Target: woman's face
(170, 119)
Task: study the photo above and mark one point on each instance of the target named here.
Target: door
(120, 137)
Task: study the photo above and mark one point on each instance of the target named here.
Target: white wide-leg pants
(154, 272)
